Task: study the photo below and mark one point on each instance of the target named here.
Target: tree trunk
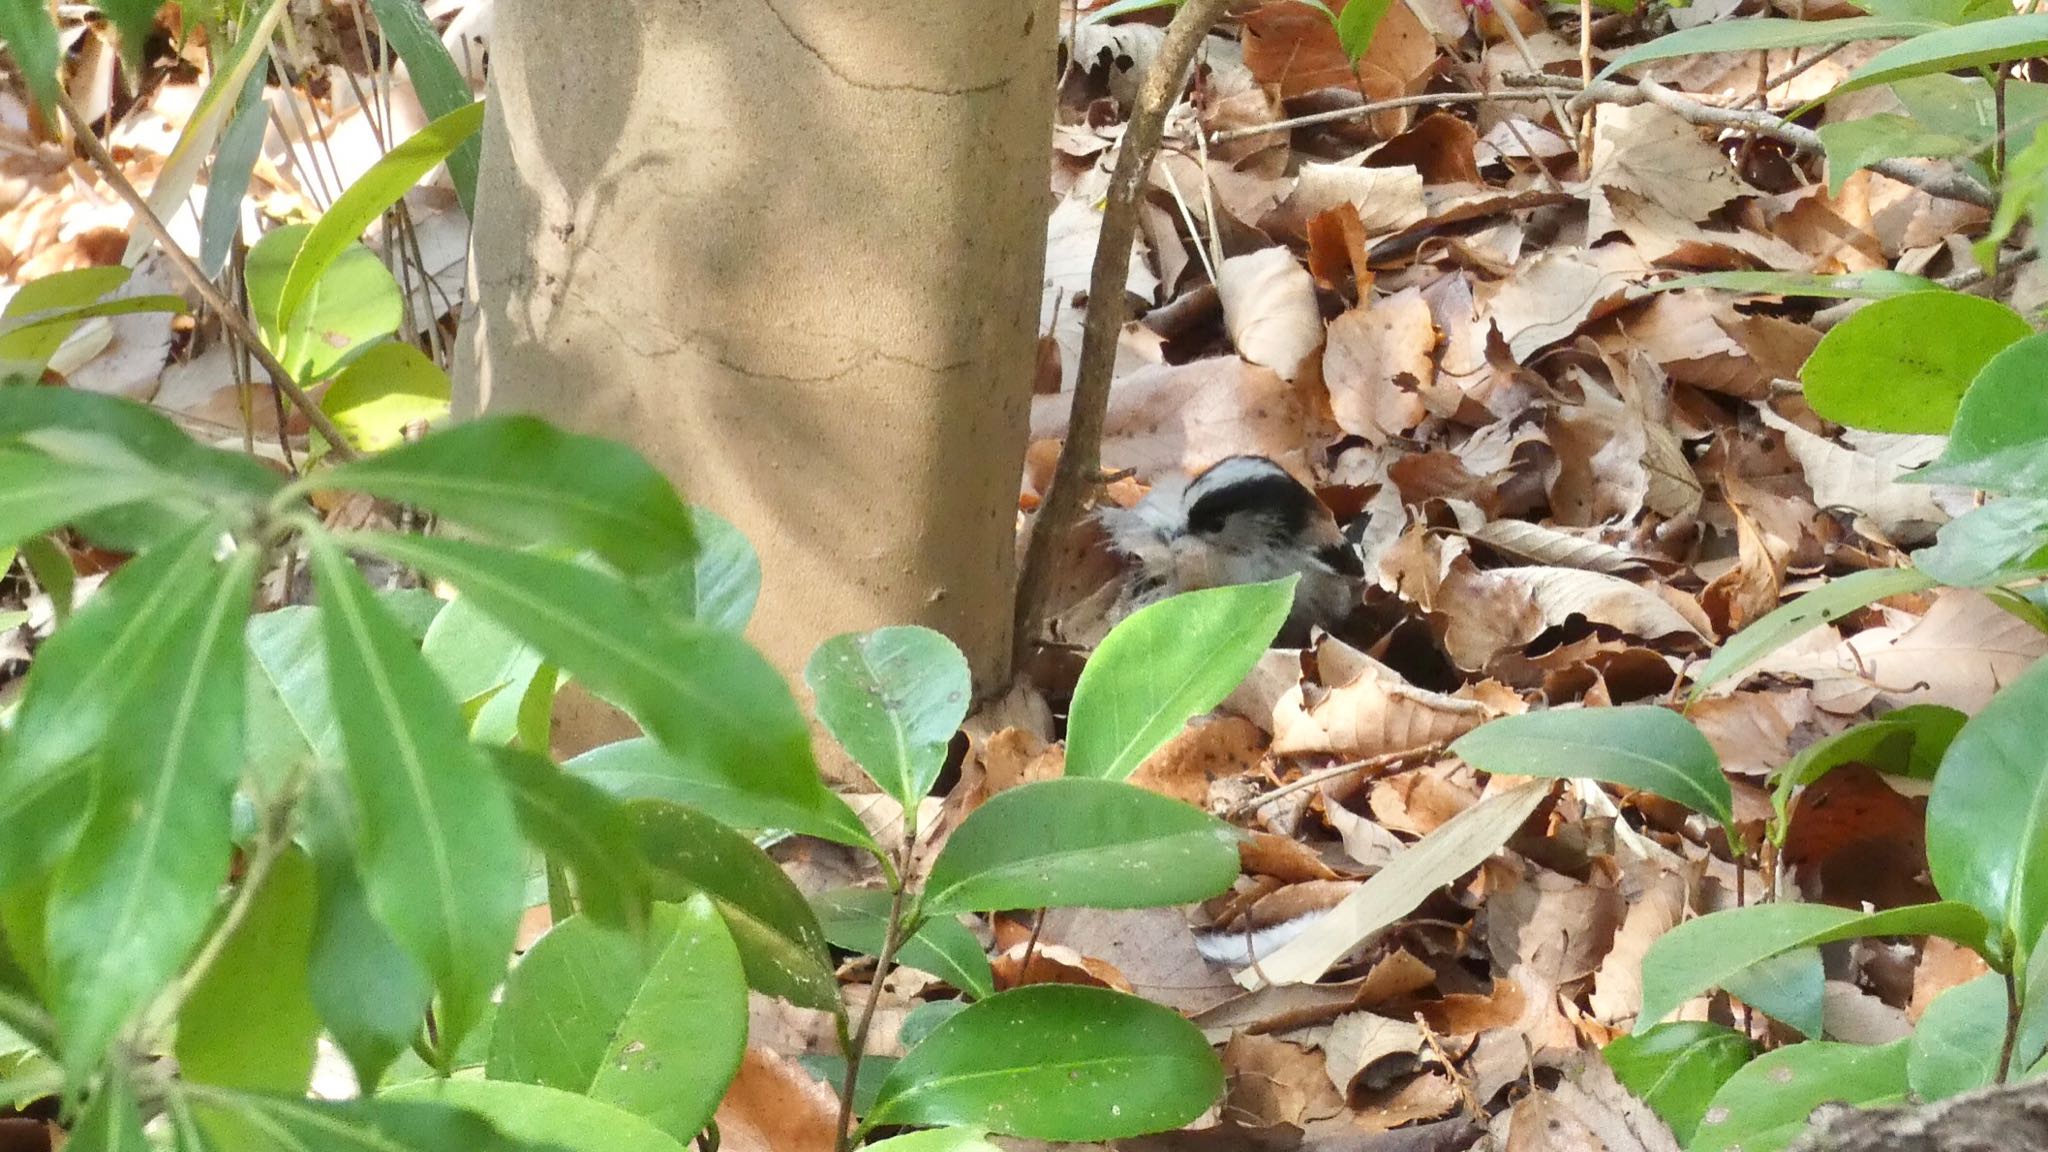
(791, 251)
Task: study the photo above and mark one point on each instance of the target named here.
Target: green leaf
(519, 479)
(50, 565)
(857, 919)
(437, 843)
(227, 181)
(2002, 541)
(545, 1117)
(139, 887)
(289, 665)
(1876, 284)
(1836, 599)
(1757, 35)
(1955, 1047)
(1861, 143)
(482, 660)
(1676, 1068)
(1701, 954)
(893, 698)
(249, 1022)
(780, 943)
(1640, 746)
(2001, 427)
(39, 493)
(1790, 988)
(1974, 45)
(380, 1125)
(719, 589)
(2023, 192)
(1164, 664)
(1878, 370)
(1056, 1062)
(706, 695)
(135, 21)
(655, 1026)
(354, 304)
(53, 301)
(580, 827)
(936, 1140)
(386, 390)
(1987, 820)
(111, 1122)
(1356, 23)
(370, 196)
(1764, 1106)
(1909, 741)
(77, 686)
(371, 995)
(921, 1021)
(1081, 843)
(31, 34)
(435, 77)
(641, 769)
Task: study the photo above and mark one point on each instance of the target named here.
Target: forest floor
(1446, 318)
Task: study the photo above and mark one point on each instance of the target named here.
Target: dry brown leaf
(1363, 708)
(1755, 733)
(1670, 240)
(1553, 294)
(1441, 146)
(773, 1105)
(1844, 478)
(1657, 897)
(1377, 365)
(1592, 1111)
(1281, 857)
(1269, 308)
(1961, 652)
(1386, 199)
(1653, 153)
(1153, 949)
(1271, 1083)
(1053, 964)
(1168, 418)
(1366, 1052)
(1548, 928)
(1204, 752)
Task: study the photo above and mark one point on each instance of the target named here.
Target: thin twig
(1081, 455)
(892, 939)
(1359, 111)
(1322, 775)
(209, 295)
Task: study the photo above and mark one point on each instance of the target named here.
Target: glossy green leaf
(50, 565)
(66, 421)
(172, 187)
(440, 83)
(24, 353)
(481, 660)
(655, 1026)
(1790, 988)
(437, 842)
(380, 1125)
(857, 919)
(288, 665)
(139, 887)
(582, 829)
(1164, 664)
(1639, 746)
(893, 698)
(1081, 843)
(706, 695)
(921, 1021)
(1950, 49)
(1757, 35)
(1056, 1062)
(370, 994)
(780, 943)
(227, 180)
(31, 34)
(39, 493)
(354, 304)
(249, 1022)
(386, 390)
(1764, 1106)
(936, 1140)
(111, 1121)
(368, 197)
(1356, 22)
(564, 489)
(2000, 438)
(1909, 741)
(1938, 11)
(1878, 370)
(80, 679)
(2023, 192)
(1701, 954)
(1676, 1068)
(1876, 284)
(1987, 820)
(1955, 1047)
(719, 588)
(1860, 143)
(545, 1117)
(1996, 543)
(1788, 622)
(641, 769)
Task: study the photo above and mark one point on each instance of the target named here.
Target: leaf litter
(1569, 487)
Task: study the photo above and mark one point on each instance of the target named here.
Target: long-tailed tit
(1243, 520)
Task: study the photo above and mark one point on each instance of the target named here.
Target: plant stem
(857, 1045)
(2012, 1024)
(197, 278)
(1081, 456)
